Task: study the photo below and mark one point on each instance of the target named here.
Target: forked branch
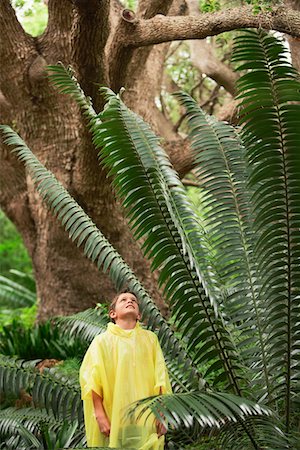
(169, 28)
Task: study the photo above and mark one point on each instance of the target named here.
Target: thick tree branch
(204, 59)
(15, 45)
(147, 9)
(55, 43)
(60, 14)
(229, 112)
(126, 63)
(123, 66)
(89, 38)
(165, 29)
(143, 80)
(5, 105)
(115, 11)
(180, 154)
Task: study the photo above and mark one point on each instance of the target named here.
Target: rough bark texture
(165, 29)
(294, 42)
(106, 47)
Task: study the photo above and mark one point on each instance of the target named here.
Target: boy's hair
(115, 299)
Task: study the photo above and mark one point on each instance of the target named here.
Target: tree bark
(104, 47)
(294, 42)
(55, 131)
(165, 29)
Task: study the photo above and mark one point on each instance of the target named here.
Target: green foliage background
(33, 15)
(13, 253)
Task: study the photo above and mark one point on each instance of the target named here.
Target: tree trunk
(66, 280)
(54, 129)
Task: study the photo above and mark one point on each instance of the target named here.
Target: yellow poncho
(122, 367)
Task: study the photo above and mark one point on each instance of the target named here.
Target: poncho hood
(115, 329)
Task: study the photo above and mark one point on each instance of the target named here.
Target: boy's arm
(102, 419)
(160, 428)
(162, 383)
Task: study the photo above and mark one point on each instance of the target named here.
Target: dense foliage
(17, 298)
(232, 279)
(13, 254)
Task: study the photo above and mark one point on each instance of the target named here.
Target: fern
(56, 393)
(14, 294)
(143, 176)
(31, 428)
(269, 94)
(236, 422)
(83, 231)
(222, 174)
(84, 325)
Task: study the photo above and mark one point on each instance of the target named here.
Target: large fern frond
(63, 78)
(14, 294)
(17, 427)
(26, 279)
(27, 428)
(220, 168)
(84, 232)
(84, 325)
(232, 418)
(222, 173)
(174, 204)
(159, 211)
(269, 96)
(43, 340)
(50, 390)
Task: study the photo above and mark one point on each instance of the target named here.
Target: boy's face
(126, 307)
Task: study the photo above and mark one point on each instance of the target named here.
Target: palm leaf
(269, 96)
(266, 434)
(231, 417)
(84, 325)
(177, 206)
(50, 390)
(15, 294)
(16, 428)
(208, 409)
(221, 169)
(40, 341)
(26, 279)
(143, 176)
(65, 81)
(24, 428)
(68, 435)
(82, 230)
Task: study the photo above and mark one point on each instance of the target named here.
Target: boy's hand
(104, 425)
(100, 414)
(160, 428)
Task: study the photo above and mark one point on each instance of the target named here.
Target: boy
(121, 366)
